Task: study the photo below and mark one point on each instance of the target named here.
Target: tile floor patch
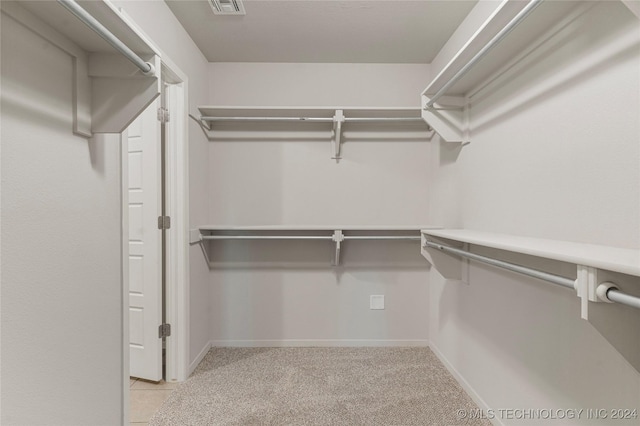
(142, 384)
(145, 403)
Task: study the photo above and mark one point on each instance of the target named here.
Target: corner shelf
(449, 114)
(626, 261)
(109, 91)
(336, 234)
(335, 116)
(588, 258)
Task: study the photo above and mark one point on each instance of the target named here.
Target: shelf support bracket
(586, 288)
(449, 118)
(466, 123)
(451, 268)
(338, 119)
(338, 238)
(633, 6)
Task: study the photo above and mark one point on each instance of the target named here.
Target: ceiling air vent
(227, 7)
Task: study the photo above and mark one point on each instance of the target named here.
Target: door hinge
(164, 222)
(164, 330)
(163, 115)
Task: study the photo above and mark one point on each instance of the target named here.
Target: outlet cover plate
(376, 301)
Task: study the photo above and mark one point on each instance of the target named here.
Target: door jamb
(177, 204)
(177, 290)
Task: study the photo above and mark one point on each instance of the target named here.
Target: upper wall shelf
(336, 116)
(109, 90)
(513, 31)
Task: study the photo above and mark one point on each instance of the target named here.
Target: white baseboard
(199, 358)
(317, 343)
(465, 385)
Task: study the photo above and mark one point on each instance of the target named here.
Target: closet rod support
(337, 119)
(146, 67)
(338, 237)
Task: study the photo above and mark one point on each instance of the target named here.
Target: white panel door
(145, 244)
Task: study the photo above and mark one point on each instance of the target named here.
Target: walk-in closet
(305, 212)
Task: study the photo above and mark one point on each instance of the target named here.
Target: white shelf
(626, 261)
(416, 228)
(308, 111)
(109, 91)
(337, 117)
(334, 234)
(541, 24)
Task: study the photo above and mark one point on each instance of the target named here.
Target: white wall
(287, 292)
(303, 84)
(554, 154)
(158, 22)
(61, 234)
(62, 346)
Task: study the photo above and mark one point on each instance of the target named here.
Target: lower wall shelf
(335, 234)
(587, 257)
(626, 261)
(603, 274)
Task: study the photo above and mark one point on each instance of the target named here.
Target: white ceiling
(347, 31)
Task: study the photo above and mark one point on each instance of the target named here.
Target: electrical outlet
(376, 301)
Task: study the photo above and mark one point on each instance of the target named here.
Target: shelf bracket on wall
(449, 118)
(338, 238)
(451, 268)
(338, 119)
(586, 288)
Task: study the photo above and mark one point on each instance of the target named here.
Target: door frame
(177, 205)
(177, 261)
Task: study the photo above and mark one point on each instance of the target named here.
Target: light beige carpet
(317, 386)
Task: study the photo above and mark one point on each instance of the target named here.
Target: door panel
(145, 300)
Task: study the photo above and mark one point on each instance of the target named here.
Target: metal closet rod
(146, 67)
(305, 119)
(308, 237)
(312, 119)
(612, 294)
(267, 237)
(380, 237)
(482, 53)
(369, 119)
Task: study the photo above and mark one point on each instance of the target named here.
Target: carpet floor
(318, 386)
